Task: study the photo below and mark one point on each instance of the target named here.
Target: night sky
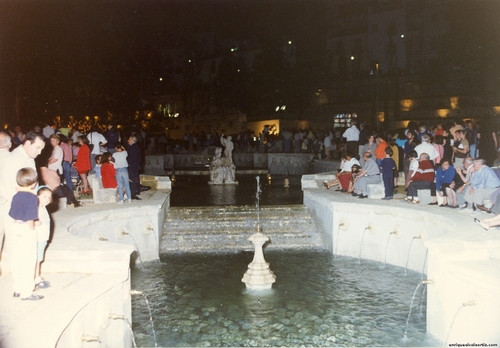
(86, 56)
(78, 57)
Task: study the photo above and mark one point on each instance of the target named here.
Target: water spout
(125, 233)
(362, 239)
(137, 292)
(465, 304)
(90, 338)
(409, 249)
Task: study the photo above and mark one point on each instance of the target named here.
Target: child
(24, 212)
(387, 166)
(42, 228)
(97, 168)
(121, 166)
(108, 172)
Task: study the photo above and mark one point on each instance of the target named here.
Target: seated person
(344, 176)
(444, 177)
(482, 184)
(423, 179)
(370, 174)
(462, 181)
(53, 181)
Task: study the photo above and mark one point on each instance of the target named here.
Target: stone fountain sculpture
(258, 275)
(222, 169)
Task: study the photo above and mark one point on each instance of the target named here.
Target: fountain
(315, 303)
(258, 276)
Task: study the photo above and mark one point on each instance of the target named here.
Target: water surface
(317, 300)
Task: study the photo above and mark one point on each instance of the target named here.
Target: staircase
(227, 228)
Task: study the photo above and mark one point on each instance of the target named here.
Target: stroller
(77, 182)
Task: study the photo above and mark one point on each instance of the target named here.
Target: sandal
(481, 224)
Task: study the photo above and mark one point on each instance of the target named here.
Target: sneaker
(387, 198)
(129, 200)
(463, 206)
(119, 202)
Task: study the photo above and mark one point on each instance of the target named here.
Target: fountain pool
(198, 299)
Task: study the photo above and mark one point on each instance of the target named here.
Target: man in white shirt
(97, 139)
(427, 148)
(351, 136)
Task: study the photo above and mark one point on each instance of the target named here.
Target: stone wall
(275, 163)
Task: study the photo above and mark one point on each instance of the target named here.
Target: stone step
(228, 228)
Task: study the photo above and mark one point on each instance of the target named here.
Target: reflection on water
(199, 300)
(189, 191)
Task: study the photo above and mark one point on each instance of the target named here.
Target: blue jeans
(67, 174)
(122, 178)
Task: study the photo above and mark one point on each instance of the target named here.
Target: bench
(101, 195)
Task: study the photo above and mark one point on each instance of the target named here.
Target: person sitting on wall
(344, 176)
(370, 174)
(445, 174)
(482, 184)
(59, 190)
(423, 179)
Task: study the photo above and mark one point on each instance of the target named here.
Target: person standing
(112, 137)
(96, 140)
(460, 148)
(351, 136)
(21, 157)
(82, 163)
(488, 142)
(5, 145)
(387, 167)
(364, 134)
(24, 212)
(67, 160)
(121, 166)
(134, 165)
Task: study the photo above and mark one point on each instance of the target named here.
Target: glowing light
(283, 107)
(443, 113)
(406, 104)
(352, 57)
(289, 42)
(161, 78)
(277, 109)
(402, 36)
(454, 103)
(381, 116)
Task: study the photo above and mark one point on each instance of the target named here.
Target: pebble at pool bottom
(318, 300)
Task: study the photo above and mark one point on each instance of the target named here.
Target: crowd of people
(454, 162)
(39, 165)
